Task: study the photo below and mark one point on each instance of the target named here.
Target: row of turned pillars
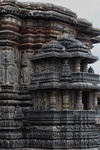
(78, 104)
(91, 101)
(53, 101)
(78, 66)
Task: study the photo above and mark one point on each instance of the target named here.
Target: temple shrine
(48, 88)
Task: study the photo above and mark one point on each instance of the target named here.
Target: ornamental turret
(56, 64)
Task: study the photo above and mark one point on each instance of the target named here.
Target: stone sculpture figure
(24, 75)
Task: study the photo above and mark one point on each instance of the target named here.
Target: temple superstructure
(48, 92)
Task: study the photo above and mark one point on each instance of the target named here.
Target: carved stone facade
(48, 94)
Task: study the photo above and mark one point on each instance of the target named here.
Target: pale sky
(88, 9)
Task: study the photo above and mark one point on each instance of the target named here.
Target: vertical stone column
(84, 67)
(24, 69)
(9, 65)
(95, 99)
(26, 47)
(91, 101)
(65, 104)
(27, 50)
(77, 65)
(79, 104)
(53, 100)
(71, 102)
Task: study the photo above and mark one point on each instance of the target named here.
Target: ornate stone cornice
(47, 11)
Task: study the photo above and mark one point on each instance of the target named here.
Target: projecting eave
(95, 40)
(48, 11)
(92, 31)
(57, 85)
(95, 31)
(90, 58)
(43, 10)
(82, 86)
(46, 7)
(84, 22)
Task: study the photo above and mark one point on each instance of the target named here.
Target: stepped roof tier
(49, 11)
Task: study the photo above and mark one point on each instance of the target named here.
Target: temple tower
(48, 92)
(61, 86)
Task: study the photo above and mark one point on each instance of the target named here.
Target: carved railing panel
(85, 77)
(45, 77)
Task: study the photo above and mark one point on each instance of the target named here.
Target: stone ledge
(52, 149)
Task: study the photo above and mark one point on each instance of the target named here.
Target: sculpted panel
(24, 59)
(24, 75)
(38, 101)
(11, 74)
(1, 74)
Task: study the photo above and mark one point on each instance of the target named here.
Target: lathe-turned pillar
(53, 100)
(65, 104)
(92, 100)
(84, 67)
(78, 97)
(77, 65)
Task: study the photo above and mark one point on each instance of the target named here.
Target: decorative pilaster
(53, 100)
(26, 46)
(79, 104)
(24, 69)
(9, 80)
(65, 105)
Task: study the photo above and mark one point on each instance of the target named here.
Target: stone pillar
(53, 100)
(84, 67)
(71, 101)
(65, 105)
(91, 99)
(79, 104)
(77, 65)
(95, 99)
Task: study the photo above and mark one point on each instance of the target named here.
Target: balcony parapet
(85, 77)
(55, 77)
(61, 116)
(45, 77)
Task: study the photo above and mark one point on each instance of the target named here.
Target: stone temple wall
(48, 95)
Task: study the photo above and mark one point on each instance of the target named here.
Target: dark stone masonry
(48, 93)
